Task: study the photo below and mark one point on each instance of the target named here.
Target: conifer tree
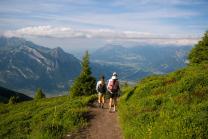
(13, 100)
(39, 94)
(199, 53)
(85, 83)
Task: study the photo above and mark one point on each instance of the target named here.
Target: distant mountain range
(27, 66)
(137, 62)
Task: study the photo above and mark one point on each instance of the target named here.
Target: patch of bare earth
(102, 125)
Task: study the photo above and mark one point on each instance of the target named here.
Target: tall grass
(169, 106)
(43, 119)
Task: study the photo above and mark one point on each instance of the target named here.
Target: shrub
(13, 100)
(39, 94)
(199, 53)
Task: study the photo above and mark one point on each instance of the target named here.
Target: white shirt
(98, 83)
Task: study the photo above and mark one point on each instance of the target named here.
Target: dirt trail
(102, 125)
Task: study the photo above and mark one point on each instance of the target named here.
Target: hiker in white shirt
(101, 89)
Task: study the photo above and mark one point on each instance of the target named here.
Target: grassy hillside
(5, 95)
(46, 118)
(167, 107)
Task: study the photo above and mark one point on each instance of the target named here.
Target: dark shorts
(113, 95)
(100, 94)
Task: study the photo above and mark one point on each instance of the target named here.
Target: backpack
(113, 86)
(102, 88)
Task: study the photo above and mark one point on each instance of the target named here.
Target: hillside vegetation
(46, 118)
(6, 94)
(53, 117)
(169, 106)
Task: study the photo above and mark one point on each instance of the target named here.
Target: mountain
(5, 95)
(125, 73)
(27, 66)
(140, 61)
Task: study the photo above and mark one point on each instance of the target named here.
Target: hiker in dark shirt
(101, 89)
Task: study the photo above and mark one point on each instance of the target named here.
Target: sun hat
(114, 77)
(114, 74)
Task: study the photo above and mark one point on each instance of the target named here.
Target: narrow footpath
(102, 125)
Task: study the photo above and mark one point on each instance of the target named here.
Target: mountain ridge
(151, 58)
(27, 65)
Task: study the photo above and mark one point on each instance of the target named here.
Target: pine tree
(13, 100)
(199, 53)
(84, 84)
(39, 94)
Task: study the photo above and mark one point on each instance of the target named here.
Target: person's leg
(103, 100)
(115, 98)
(99, 99)
(110, 103)
(114, 103)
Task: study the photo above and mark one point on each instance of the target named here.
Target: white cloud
(45, 31)
(138, 15)
(66, 32)
(170, 41)
(105, 34)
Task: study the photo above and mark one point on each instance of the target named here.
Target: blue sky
(92, 23)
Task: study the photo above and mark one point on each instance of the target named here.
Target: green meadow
(47, 118)
(173, 106)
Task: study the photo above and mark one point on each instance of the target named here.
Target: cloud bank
(109, 35)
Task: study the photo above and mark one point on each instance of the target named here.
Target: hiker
(101, 89)
(113, 88)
